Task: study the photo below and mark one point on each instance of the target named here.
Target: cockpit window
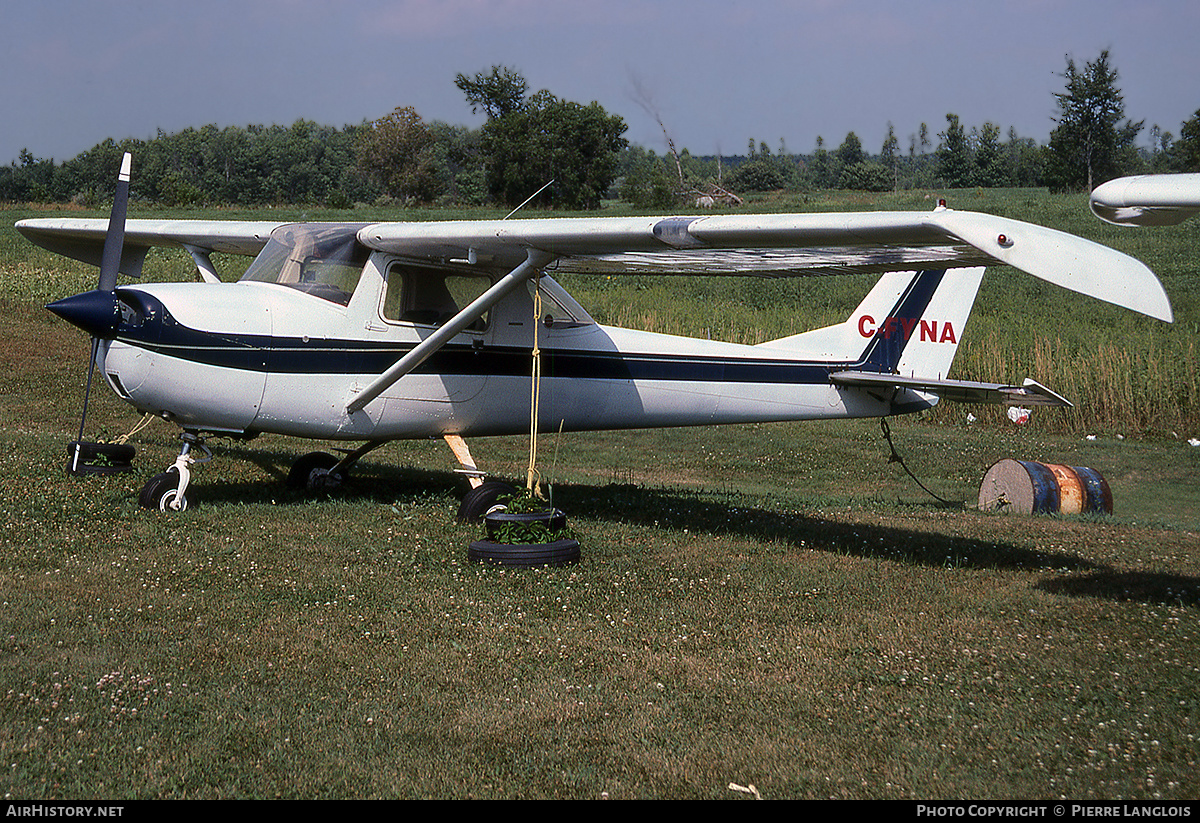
(321, 259)
(430, 297)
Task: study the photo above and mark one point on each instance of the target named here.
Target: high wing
(1148, 200)
(747, 244)
(786, 245)
(83, 239)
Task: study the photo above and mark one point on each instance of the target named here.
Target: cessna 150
(373, 332)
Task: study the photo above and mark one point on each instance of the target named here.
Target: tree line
(572, 156)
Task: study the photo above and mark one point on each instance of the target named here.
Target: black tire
(312, 473)
(99, 458)
(482, 499)
(558, 553)
(159, 492)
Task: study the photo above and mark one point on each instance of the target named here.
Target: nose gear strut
(167, 492)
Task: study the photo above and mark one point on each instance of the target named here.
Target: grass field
(771, 605)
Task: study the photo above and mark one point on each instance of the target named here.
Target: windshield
(321, 259)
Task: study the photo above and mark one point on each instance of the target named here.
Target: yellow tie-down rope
(532, 480)
(145, 421)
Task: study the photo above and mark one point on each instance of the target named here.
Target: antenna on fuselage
(527, 199)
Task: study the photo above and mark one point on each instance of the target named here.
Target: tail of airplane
(904, 335)
(910, 323)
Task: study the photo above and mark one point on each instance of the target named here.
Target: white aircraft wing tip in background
(1147, 200)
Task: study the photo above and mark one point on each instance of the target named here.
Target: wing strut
(534, 260)
(204, 264)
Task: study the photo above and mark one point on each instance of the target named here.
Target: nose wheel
(167, 492)
(162, 493)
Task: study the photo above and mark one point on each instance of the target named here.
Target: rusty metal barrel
(1029, 487)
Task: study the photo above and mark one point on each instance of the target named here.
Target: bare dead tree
(641, 95)
(705, 195)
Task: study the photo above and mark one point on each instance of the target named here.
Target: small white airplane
(373, 332)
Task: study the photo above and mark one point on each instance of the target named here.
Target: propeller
(98, 312)
(114, 240)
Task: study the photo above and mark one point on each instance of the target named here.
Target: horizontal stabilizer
(1030, 393)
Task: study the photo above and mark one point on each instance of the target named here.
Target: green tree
(1024, 159)
(889, 155)
(866, 176)
(645, 182)
(851, 151)
(32, 181)
(762, 173)
(956, 164)
(548, 139)
(1186, 150)
(499, 93)
(397, 151)
(1090, 145)
(822, 172)
(991, 166)
(459, 161)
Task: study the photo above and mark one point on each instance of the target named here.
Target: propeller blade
(114, 240)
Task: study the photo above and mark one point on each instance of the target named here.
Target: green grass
(770, 605)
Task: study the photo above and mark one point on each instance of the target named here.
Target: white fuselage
(252, 357)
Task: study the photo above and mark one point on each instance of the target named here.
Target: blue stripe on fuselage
(162, 334)
(294, 356)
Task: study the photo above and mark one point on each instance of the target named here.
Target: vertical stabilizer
(933, 342)
(909, 323)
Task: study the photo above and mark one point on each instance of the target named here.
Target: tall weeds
(1147, 386)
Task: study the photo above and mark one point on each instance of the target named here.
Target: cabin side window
(430, 297)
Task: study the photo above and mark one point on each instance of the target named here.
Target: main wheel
(159, 493)
(314, 473)
(482, 499)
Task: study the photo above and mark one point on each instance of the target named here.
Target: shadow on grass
(367, 482)
(685, 510)
(1139, 587)
(678, 509)
(707, 513)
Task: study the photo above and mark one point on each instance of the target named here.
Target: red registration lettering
(928, 329)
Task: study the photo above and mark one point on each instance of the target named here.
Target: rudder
(909, 323)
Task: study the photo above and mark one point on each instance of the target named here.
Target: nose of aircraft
(96, 312)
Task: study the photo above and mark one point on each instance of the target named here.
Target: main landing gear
(319, 472)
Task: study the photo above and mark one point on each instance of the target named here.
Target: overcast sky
(719, 72)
